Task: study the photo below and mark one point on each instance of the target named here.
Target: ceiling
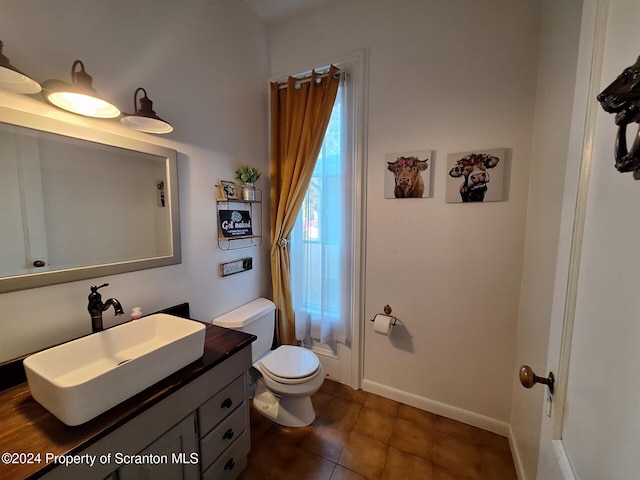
(273, 11)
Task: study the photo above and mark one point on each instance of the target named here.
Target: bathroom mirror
(77, 203)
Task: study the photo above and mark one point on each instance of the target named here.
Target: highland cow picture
(408, 175)
(476, 176)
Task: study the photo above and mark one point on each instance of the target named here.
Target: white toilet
(285, 378)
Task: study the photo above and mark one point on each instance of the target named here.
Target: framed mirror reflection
(77, 203)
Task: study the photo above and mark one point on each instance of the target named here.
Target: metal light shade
(79, 96)
(145, 119)
(13, 79)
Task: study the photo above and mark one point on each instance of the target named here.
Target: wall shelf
(234, 237)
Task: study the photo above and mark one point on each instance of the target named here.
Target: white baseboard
(455, 413)
(517, 458)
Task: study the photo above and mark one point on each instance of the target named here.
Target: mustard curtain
(299, 117)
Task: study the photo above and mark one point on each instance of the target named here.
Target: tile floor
(359, 435)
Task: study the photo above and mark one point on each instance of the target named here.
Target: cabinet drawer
(231, 462)
(221, 437)
(220, 405)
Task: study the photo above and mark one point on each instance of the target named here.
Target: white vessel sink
(79, 380)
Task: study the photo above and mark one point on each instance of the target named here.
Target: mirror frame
(50, 125)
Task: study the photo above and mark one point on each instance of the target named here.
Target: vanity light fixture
(145, 119)
(79, 96)
(13, 79)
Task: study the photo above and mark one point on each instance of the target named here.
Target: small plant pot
(248, 192)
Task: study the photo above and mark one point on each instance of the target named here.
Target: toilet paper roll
(382, 324)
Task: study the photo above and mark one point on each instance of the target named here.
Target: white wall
(450, 76)
(554, 100)
(204, 63)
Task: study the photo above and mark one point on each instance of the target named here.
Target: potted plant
(248, 176)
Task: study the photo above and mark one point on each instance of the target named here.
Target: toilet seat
(290, 365)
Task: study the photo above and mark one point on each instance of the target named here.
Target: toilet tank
(258, 318)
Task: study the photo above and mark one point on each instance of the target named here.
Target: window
(322, 239)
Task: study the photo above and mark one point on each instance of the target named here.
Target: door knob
(528, 378)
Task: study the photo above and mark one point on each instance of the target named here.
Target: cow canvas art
(476, 176)
(408, 175)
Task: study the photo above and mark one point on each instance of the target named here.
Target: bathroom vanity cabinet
(194, 424)
(223, 423)
(176, 446)
(211, 442)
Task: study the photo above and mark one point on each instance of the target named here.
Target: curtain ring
(282, 242)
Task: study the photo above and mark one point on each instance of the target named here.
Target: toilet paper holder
(387, 311)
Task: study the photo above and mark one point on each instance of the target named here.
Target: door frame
(553, 461)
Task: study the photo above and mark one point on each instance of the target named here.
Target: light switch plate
(236, 266)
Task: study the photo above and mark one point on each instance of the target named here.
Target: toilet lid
(289, 362)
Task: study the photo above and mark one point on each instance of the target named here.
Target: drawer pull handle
(227, 403)
(230, 464)
(228, 435)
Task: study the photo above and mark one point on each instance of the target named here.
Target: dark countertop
(26, 427)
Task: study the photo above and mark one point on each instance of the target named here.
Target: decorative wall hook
(622, 97)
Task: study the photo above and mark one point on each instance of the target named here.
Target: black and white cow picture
(473, 168)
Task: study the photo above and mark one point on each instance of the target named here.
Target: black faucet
(96, 307)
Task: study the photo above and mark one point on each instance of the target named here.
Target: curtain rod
(319, 76)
